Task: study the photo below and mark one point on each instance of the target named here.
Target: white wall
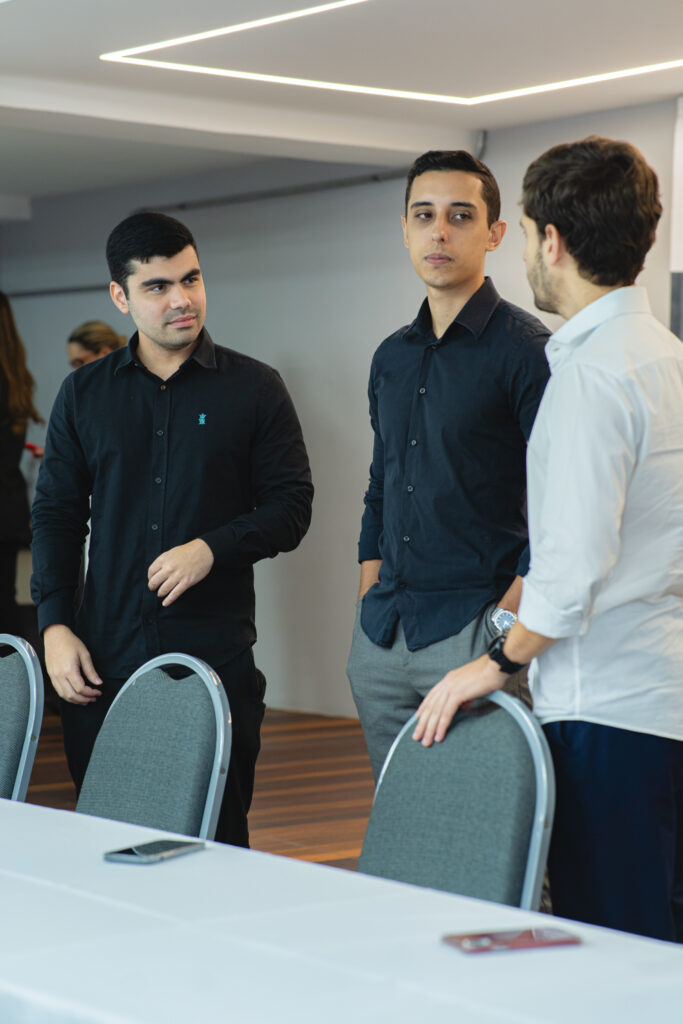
(311, 285)
(509, 152)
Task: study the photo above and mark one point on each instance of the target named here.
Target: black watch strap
(495, 653)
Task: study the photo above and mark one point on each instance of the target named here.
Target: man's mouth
(437, 259)
(187, 320)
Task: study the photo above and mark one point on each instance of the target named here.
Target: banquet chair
(470, 815)
(21, 715)
(161, 756)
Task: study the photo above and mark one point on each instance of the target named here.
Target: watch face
(502, 619)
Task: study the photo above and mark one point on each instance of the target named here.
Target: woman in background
(90, 341)
(16, 409)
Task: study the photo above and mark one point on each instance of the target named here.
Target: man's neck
(445, 304)
(162, 362)
(581, 293)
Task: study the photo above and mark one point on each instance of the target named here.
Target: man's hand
(458, 687)
(369, 575)
(68, 661)
(178, 569)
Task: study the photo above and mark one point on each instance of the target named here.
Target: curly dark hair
(603, 198)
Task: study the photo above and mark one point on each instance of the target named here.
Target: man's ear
(496, 234)
(553, 244)
(118, 297)
(405, 233)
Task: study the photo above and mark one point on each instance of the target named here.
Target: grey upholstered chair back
(470, 815)
(161, 756)
(21, 715)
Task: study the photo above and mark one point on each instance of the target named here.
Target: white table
(246, 937)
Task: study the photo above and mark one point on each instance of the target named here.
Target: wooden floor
(313, 785)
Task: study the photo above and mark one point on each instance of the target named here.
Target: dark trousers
(616, 855)
(9, 613)
(245, 688)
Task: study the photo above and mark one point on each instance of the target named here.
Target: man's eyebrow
(456, 202)
(167, 280)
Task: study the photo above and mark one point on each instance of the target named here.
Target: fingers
(436, 713)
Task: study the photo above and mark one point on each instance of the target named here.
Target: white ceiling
(69, 121)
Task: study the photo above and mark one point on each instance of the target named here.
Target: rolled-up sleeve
(580, 460)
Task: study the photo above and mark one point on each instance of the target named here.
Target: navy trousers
(616, 855)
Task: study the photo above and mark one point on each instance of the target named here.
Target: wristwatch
(502, 619)
(495, 653)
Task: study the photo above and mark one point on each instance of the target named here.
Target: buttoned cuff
(57, 610)
(368, 546)
(540, 616)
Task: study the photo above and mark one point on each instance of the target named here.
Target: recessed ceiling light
(132, 55)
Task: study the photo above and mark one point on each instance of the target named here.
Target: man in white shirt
(602, 605)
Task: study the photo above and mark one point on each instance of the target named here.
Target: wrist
(496, 654)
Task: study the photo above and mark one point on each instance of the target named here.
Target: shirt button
(433, 348)
(406, 540)
(157, 479)
(162, 387)
(154, 526)
(402, 585)
(413, 443)
(410, 488)
(423, 391)
(160, 433)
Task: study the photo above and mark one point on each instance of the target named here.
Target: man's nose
(179, 297)
(439, 228)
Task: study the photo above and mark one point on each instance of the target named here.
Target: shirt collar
(621, 301)
(474, 315)
(204, 352)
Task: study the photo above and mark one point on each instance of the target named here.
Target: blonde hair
(94, 335)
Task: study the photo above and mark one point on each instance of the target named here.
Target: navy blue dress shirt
(446, 506)
(214, 452)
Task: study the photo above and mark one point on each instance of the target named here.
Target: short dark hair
(603, 198)
(141, 237)
(458, 160)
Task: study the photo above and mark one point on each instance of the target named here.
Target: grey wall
(311, 285)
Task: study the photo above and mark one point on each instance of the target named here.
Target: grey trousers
(389, 683)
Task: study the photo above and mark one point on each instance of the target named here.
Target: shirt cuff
(368, 547)
(56, 610)
(540, 616)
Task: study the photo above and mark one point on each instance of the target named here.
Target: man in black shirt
(453, 398)
(189, 461)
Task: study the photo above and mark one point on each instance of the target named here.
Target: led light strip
(131, 56)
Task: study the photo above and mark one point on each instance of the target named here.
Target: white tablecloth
(235, 935)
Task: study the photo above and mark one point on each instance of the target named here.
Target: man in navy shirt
(188, 460)
(453, 398)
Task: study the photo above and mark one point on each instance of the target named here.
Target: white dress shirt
(605, 481)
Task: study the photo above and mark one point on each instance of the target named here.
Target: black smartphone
(150, 853)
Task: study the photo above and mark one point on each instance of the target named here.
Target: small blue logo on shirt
(202, 419)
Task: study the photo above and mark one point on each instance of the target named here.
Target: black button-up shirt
(445, 509)
(214, 452)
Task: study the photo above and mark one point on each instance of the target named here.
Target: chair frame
(35, 711)
(544, 811)
(222, 714)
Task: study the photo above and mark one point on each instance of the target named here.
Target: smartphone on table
(523, 938)
(151, 853)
